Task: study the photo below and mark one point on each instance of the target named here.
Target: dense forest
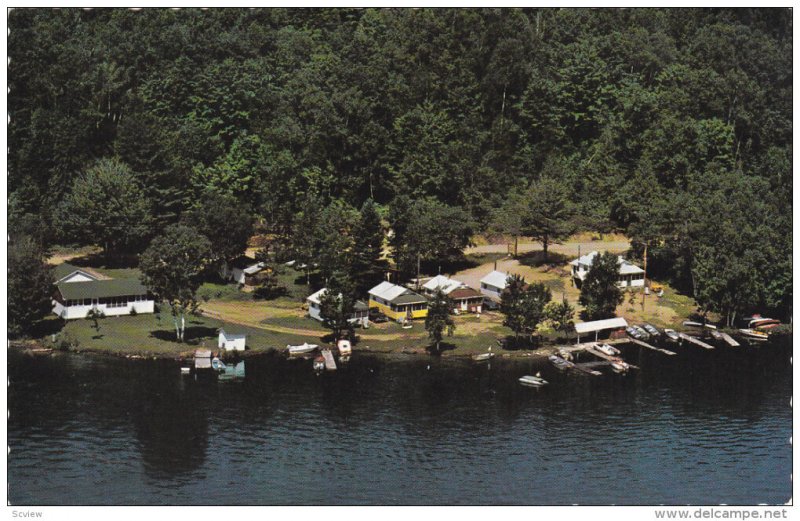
(673, 126)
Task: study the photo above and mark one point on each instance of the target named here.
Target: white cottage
(360, 311)
(231, 341)
(630, 275)
(493, 284)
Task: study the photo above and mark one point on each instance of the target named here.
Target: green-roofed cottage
(78, 291)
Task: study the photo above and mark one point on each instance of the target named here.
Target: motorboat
(635, 332)
(303, 348)
(753, 334)
(620, 366)
(560, 363)
(319, 363)
(650, 328)
(672, 334)
(483, 357)
(607, 349)
(644, 334)
(533, 381)
(217, 364)
(344, 347)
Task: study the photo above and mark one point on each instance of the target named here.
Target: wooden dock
(330, 364)
(586, 368)
(729, 339)
(695, 341)
(599, 354)
(654, 348)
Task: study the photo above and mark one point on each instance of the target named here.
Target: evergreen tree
(337, 304)
(438, 321)
(30, 286)
(367, 247)
(547, 212)
(600, 294)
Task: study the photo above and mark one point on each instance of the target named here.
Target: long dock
(695, 341)
(330, 364)
(654, 348)
(586, 369)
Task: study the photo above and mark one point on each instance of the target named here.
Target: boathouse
(397, 302)
(595, 326)
(630, 275)
(360, 314)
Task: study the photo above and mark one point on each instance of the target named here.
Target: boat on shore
(692, 323)
(483, 357)
(303, 348)
(635, 332)
(560, 363)
(607, 349)
(644, 334)
(533, 381)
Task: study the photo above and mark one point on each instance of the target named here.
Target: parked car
(376, 316)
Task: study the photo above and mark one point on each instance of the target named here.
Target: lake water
(698, 428)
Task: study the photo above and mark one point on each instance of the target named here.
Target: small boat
(672, 334)
(691, 323)
(533, 381)
(305, 347)
(635, 333)
(642, 332)
(344, 347)
(560, 363)
(651, 329)
(186, 370)
(217, 364)
(319, 363)
(753, 334)
(483, 357)
(764, 323)
(620, 366)
(607, 349)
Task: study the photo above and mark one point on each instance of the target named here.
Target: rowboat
(607, 349)
(305, 347)
(651, 329)
(533, 381)
(672, 334)
(560, 363)
(483, 357)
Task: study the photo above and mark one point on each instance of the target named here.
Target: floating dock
(695, 341)
(330, 364)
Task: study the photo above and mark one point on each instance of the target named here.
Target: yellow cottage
(398, 303)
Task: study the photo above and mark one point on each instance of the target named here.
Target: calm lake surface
(698, 428)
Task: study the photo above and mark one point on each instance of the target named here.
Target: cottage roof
(464, 293)
(396, 294)
(496, 279)
(255, 268)
(442, 282)
(625, 267)
(101, 289)
(316, 298)
(231, 336)
(66, 269)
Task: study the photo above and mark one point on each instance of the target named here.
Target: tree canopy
(600, 294)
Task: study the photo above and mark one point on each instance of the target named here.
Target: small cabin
(397, 302)
(630, 275)
(232, 341)
(360, 314)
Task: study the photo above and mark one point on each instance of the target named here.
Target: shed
(232, 341)
(596, 326)
(630, 275)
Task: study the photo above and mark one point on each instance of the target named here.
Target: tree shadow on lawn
(192, 335)
(534, 259)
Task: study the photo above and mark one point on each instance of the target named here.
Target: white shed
(493, 284)
(231, 341)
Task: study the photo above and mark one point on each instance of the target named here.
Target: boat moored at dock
(533, 381)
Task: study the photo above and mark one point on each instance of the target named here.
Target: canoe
(532, 381)
(483, 357)
(305, 347)
(607, 349)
